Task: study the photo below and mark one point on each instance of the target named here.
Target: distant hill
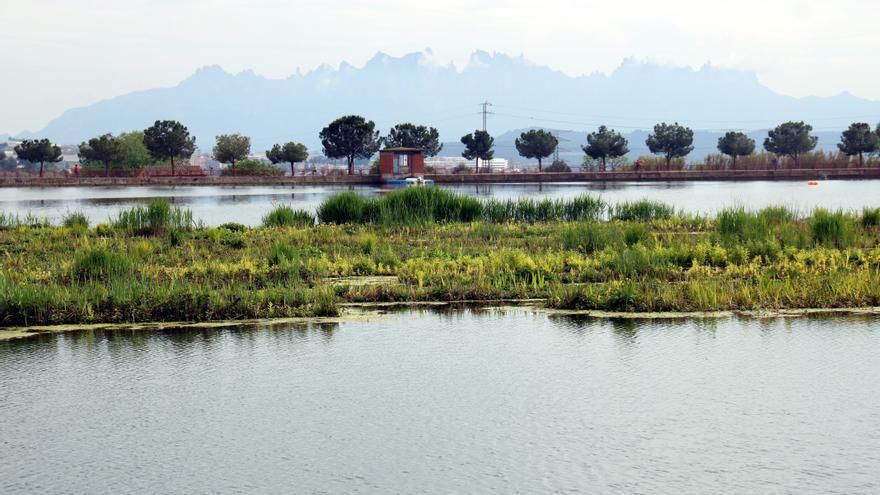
(413, 88)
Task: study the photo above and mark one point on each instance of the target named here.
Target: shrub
(98, 263)
(253, 168)
(233, 227)
(642, 210)
(285, 216)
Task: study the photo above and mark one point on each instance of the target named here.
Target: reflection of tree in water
(626, 330)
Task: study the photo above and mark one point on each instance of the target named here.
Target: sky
(61, 54)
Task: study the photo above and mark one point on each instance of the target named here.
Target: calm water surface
(499, 401)
(245, 204)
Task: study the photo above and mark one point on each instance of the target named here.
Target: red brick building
(401, 163)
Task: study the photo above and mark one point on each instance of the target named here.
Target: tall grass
(870, 217)
(643, 210)
(11, 221)
(832, 229)
(155, 219)
(424, 205)
(285, 216)
(99, 263)
(75, 220)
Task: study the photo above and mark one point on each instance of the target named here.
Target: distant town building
(449, 163)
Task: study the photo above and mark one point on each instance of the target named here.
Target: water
(246, 204)
(502, 401)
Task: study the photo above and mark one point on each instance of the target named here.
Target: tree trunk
(539, 165)
(668, 160)
(106, 169)
(41, 169)
(861, 160)
(477, 165)
(291, 170)
(172, 165)
(734, 163)
(232, 165)
(797, 163)
(603, 164)
(351, 165)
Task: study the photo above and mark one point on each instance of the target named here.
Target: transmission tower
(485, 112)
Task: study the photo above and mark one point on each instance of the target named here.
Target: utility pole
(485, 112)
(556, 150)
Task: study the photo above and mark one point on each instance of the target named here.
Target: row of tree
(790, 139)
(352, 137)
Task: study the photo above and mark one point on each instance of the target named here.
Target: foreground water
(247, 205)
(503, 401)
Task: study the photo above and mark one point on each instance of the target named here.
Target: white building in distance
(449, 163)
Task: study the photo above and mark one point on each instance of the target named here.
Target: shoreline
(356, 311)
(501, 178)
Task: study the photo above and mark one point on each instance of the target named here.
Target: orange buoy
(812, 183)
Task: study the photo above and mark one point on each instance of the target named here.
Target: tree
(605, 144)
(672, 141)
(559, 166)
(231, 148)
(105, 149)
(350, 137)
(536, 143)
(134, 154)
(415, 136)
(290, 152)
(791, 139)
(478, 146)
(38, 151)
(169, 139)
(858, 140)
(736, 144)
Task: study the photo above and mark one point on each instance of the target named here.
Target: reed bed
(157, 265)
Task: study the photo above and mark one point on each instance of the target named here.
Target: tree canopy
(859, 139)
(478, 146)
(415, 136)
(38, 151)
(671, 140)
(350, 137)
(791, 139)
(605, 143)
(231, 148)
(734, 144)
(288, 153)
(536, 143)
(169, 139)
(104, 148)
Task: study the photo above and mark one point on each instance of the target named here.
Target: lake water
(246, 204)
(472, 401)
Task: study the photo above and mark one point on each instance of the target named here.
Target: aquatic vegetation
(643, 210)
(155, 219)
(75, 220)
(425, 245)
(285, 216)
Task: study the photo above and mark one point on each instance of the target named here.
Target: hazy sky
(65, 53)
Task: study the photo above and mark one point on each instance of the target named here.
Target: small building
(401, 163)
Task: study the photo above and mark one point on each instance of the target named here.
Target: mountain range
(414, 88)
